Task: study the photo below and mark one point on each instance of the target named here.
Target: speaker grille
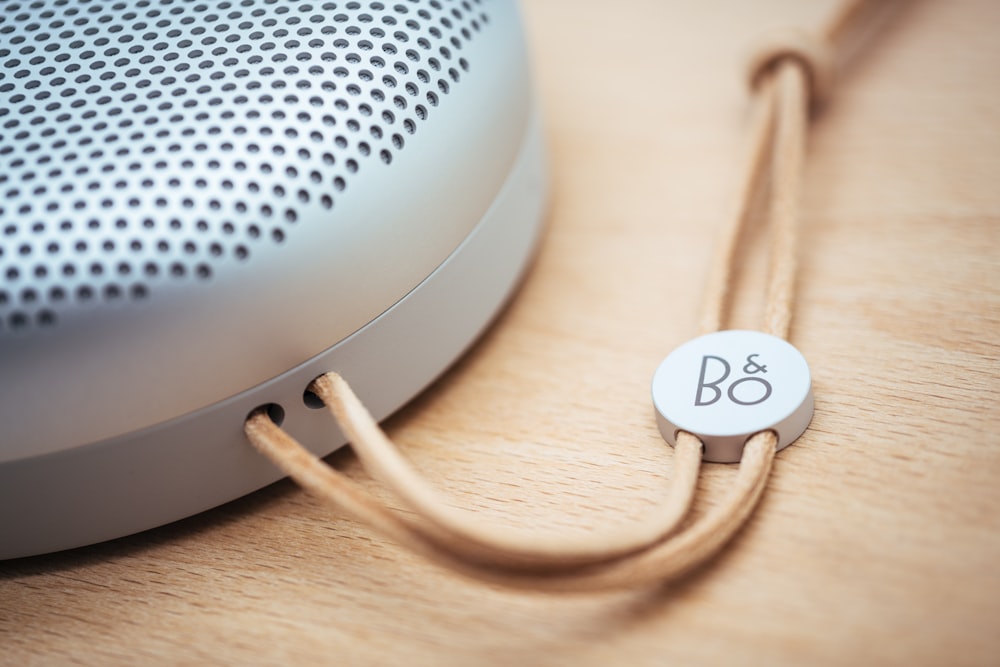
(152, 140)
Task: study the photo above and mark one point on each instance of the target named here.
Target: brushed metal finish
(205, 205)
(234, 188)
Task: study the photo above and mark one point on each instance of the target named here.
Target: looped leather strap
(664, 546)
(812, 53)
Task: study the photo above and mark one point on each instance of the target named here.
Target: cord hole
(312, 400)
(273, 410)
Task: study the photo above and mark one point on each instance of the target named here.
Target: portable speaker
(206, 205)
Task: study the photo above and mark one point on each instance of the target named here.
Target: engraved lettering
(753, 367)
(735, 399)
(714, 386)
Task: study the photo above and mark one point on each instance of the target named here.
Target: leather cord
(789, 72)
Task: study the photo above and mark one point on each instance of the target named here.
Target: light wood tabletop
(878, 538)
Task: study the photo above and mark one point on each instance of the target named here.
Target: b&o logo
(751, 389)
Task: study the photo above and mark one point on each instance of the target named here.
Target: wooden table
(878, 540)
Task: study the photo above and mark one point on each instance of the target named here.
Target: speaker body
(205, 205)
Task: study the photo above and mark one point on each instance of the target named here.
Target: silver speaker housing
(248, 194)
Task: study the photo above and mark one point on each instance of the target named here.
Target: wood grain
(879, 538)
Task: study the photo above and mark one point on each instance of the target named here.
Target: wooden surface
(878, 540)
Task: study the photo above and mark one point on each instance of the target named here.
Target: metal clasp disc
(726, 386)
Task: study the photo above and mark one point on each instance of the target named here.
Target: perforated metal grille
(148, 141)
